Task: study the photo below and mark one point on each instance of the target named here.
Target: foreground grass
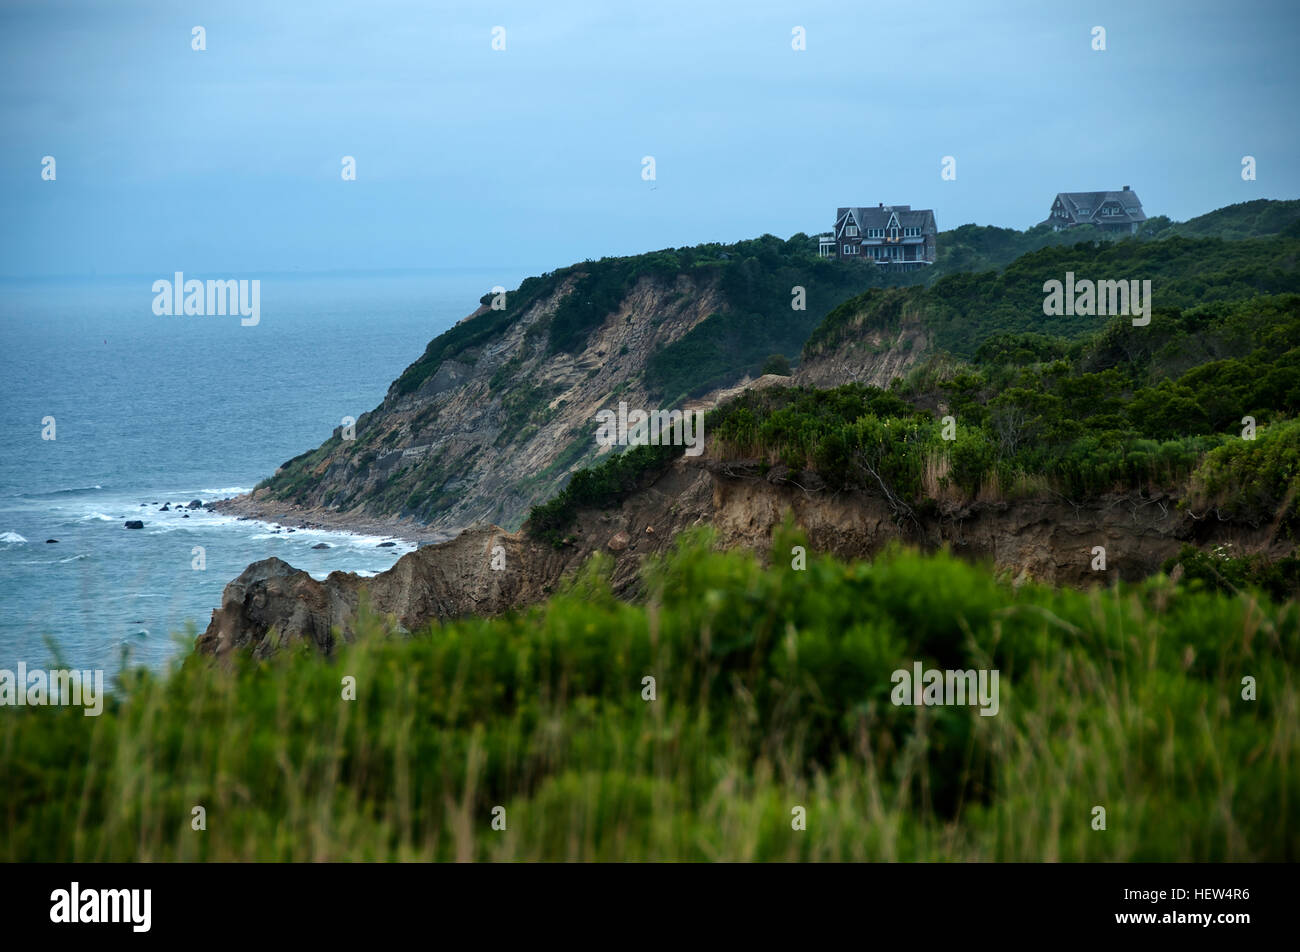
(773, 692)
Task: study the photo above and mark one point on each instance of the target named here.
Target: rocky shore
(258, 505)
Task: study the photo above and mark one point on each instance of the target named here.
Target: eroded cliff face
(1045, 540)
(497, 427)
(872, 356)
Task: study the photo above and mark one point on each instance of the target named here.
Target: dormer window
(851, 231)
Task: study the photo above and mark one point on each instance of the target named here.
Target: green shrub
(773, 690)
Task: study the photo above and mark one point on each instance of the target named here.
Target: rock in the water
(165, 509)
(321, 545)
(134, 524)
(385, 545)
(50, 541)
(196, 503)
(186, 516)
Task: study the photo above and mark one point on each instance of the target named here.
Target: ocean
(151, 410)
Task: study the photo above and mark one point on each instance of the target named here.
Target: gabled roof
(878, 217)
(1127, 200)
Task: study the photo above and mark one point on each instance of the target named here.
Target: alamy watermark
(939, 687)
(133, 907)
(655, 428)
(1098, 299)
(195, 298)
(39, 688)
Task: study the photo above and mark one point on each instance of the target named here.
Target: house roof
(878, 217)
(1076, 202)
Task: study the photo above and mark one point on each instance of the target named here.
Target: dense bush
(1253, 480)
(1218, 570)
(599, 487)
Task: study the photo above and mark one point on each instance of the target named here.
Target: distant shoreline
(258, 506)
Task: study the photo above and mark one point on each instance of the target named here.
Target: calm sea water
(154, 409)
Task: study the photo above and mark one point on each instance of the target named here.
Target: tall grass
(773, 692)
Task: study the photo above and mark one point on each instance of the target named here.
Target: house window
(851, 231)
(850, 249)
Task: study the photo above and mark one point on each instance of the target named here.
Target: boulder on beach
(134, 524)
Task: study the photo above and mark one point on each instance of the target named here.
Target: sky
(228, 160)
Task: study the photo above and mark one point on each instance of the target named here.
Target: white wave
(99, 517)
(61, 492)
(75, 558)
(11, 537)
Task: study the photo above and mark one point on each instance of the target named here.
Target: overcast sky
(229, 160)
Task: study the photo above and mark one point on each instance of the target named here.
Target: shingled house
(1110, 211)
(886, 234)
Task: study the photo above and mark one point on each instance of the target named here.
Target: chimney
(880, 205)
(1126, 188)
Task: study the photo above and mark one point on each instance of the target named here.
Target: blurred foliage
(772, 691)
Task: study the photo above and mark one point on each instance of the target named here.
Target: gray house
(1110, 211)
(887, 235)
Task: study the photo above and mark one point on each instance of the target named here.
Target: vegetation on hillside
(759, 318)
(961, 311)
(1160, 408)
(772, 692)
(1156, 408)
(1253, 219)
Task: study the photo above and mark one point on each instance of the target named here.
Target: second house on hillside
(1110, 211)
(893, 235)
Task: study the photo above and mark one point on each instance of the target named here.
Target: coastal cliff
(499, 410)
(950, 414)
